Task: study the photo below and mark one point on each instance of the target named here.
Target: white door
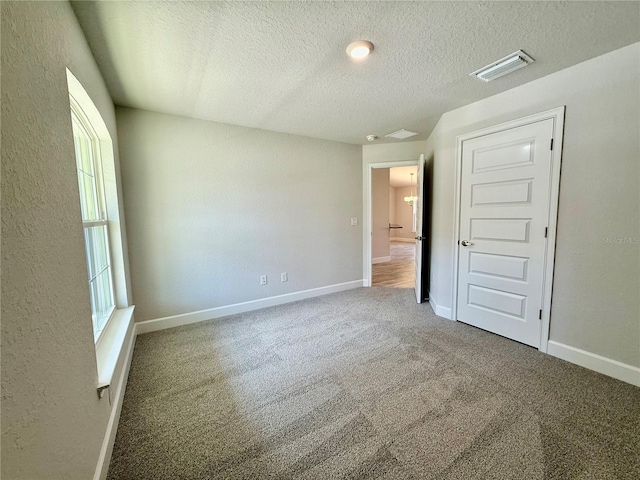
(504, 210)
(419, 237)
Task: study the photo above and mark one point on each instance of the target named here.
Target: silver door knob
(420, 238)
(465, 243)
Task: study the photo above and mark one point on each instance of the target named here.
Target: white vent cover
(505, 65)
(402, 133)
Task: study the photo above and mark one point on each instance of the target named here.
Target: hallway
(400, 271)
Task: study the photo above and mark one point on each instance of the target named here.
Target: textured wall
(596, 305)
(53, 424)
(210, 207)
(380, 212)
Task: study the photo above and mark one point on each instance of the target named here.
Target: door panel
(501, 193)
(419, 228)
(505, 266)
(502, 230)
(501, 156)
(501, 302)
(504, 207)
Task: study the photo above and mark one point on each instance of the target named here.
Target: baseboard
(439, 310)
(380, 260)
(217, 312)
(112, 427)
(402, 239)
(606, 366)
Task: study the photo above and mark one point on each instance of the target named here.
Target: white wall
(391, 152)
(392, 204)
(210, 207)
(596, 304)
(53, 424)
(380, 213)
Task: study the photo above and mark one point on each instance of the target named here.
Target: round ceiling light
(359, 49)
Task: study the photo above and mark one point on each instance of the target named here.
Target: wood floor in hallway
(399, 272)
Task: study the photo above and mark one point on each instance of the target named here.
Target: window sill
(111, 342)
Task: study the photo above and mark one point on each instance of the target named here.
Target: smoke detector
(508, 64)
(371, 138)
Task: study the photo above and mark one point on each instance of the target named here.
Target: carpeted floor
(366, 384)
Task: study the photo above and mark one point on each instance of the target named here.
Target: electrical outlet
(263, 279)
(283, 277)
(354, 221)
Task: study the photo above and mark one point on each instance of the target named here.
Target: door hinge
(551, 147)
(546, 231)
(540, 315)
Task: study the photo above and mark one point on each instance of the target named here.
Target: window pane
(96, 245)
(93, 296)
(88, 200)
(84, 155)
(102, 298)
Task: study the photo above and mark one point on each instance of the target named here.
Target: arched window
(103, 225)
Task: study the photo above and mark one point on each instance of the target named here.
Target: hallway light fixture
(412, 198)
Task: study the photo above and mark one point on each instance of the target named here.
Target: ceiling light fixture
(501, 67)
(371, 138)
(412, 198)
(359, 49)
(401, 134)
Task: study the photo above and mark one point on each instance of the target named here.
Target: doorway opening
(394, 218)
(380, 173)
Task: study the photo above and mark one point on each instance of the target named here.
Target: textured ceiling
(282, 65)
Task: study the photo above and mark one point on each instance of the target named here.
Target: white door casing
(419, 238)
(508, 181)
(366, 214)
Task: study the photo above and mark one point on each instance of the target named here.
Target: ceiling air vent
(505, 65)
(401, 134)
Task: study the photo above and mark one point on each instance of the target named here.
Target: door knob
(465, 243)
(420, 238)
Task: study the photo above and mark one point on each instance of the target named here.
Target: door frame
(367, 214)
(557, 115)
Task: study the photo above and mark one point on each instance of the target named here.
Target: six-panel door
(504, 205)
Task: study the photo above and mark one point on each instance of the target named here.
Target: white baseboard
(402, 239)
(592, 361)
(217, 312)
(439, 310)
(380, 260)
(112, 427)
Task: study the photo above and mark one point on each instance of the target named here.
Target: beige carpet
(366, 384)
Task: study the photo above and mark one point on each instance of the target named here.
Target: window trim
(116, 334)
(81, 118)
